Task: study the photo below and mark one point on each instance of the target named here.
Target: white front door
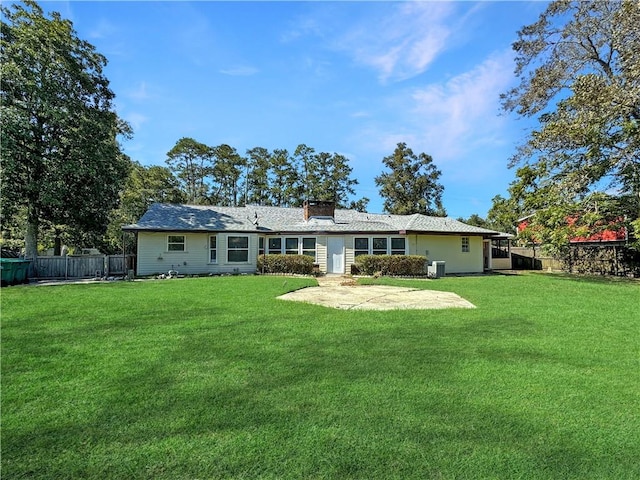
(335, 255)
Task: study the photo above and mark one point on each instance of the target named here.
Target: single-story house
(195, 239)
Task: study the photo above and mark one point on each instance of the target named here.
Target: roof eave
(319, 231)
(130, 228)
(440, 232)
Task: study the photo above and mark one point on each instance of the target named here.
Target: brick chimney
(318, 208)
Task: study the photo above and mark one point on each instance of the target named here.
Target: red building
(615, 233)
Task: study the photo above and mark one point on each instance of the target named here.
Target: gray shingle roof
(259, 219)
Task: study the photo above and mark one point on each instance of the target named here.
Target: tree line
(202, 175)
(220, 175)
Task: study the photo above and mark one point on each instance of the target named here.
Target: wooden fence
(83, 266)
(526, 258)
(592, 259)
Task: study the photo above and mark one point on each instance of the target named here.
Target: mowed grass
(216, 378)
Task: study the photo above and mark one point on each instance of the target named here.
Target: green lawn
(216, 378)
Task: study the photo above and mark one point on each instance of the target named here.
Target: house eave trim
(189, 230)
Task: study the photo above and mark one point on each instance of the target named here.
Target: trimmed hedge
(278, 263)
(391, 264)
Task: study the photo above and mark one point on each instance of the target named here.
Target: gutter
(488, 234)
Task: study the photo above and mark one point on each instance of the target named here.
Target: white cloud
(195, 36)
(136, 120)
(240, 71)
(140, 92)
(449, 120)
(302, 27)
(463, 112)
(403, 43)
(103, 29)
(108, 35)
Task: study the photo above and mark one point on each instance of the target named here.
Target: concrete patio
(343, 293)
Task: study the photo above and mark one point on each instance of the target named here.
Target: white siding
(447, 248)
(154, 258)
(349, 252)
(321, 252)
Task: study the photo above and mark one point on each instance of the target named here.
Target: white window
(175, 243)
(398, 246)
(261, 246)
(291, 246)
(237, 249)
(361, 246)
(213, 249)
(379, 246)
(309, 247)
(465, 244)
(275, 245)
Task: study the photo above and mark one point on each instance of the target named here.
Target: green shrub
(391, 264)
(278, 263)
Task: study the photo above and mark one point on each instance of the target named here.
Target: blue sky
(354, 78)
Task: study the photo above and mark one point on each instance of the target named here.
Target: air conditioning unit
(436, 269)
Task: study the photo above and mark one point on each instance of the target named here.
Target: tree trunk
(57, 243)
(31, 239)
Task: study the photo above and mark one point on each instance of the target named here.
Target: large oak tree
(61, 160)
(579, 77)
